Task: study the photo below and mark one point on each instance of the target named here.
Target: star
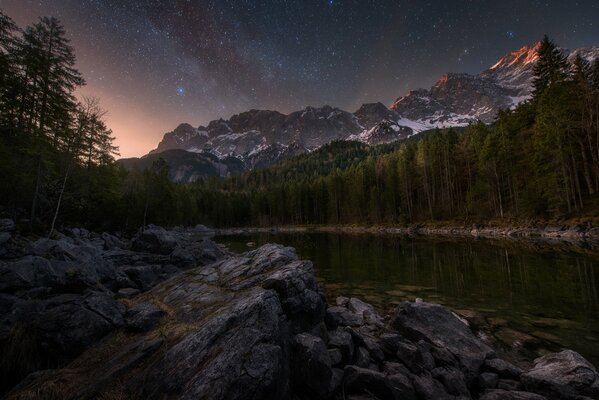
(180, 91)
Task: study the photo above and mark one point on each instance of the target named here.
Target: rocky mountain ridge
(260, 138)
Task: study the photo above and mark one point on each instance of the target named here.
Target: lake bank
(549, 233)
(529, 297)
(169, 313)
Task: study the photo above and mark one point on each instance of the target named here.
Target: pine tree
(8, 70)
(551, 67)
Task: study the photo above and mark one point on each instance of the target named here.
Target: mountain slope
(260, 138)
(460, 99)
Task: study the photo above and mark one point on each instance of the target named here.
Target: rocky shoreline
(556, 233)
(168, 314)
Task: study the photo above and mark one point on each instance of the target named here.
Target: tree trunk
(64, 184)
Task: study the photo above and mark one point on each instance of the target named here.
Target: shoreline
(545, 233)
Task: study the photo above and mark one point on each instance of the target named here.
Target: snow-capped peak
(524, 56)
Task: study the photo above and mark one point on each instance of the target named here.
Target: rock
(28, 272)
(416, 357)
(143, 317)
(227, 335)
(81, 263)
(394, 368)
(361, 380)
(155, 239)
(183, 256)
(105, 306)
(7, 225)
(363, 337)
(563, 375)
(343, 341)
(127, 293)
(113, 242)
(341, 316)
(502, 368)
(510, 395)
(509, 384)
(439, 326)
(54, 331)
(487, 380)
(148, 276)
(401, 387)
(362, 357)
(336, 357)
(364, 311)
(428, 388)
(342, 301)
(453, 380)
(311, 372)
(203, 230)
(4, 237)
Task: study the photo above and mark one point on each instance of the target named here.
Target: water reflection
(539, 299)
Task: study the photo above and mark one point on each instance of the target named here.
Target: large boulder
(226, 334)
(50, 333)
(564, 375)
(442, 328)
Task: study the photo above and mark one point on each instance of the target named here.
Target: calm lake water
(527, 297)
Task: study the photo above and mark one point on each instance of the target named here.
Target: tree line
(57, 165)
(538, 161)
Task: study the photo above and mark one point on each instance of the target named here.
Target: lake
(526, 298)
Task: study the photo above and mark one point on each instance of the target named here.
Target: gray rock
(228, 337)
(361, 380)
(155, 239)
(365, 311)
(453, 380)
(416, 357)
(439, 326)
(311, 372)
(401, 387)
(148, 276)
(509, 384)
(341, 316)
(428, 388)
(343, 341)
(394, 368)
(28, 272)
(502, 368)
(487, 380)
(362, 357)
(510, 395)
(127, 293)
(563, 375)
(143, 317)
(336, 357)
(113, 242)
(7, 225)
(4, 237)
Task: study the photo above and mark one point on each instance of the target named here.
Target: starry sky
(156, 63)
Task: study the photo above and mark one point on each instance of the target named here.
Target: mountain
(260, 138)
(186, 166)
(458, 99)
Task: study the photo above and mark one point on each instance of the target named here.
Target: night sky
(155, 63)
